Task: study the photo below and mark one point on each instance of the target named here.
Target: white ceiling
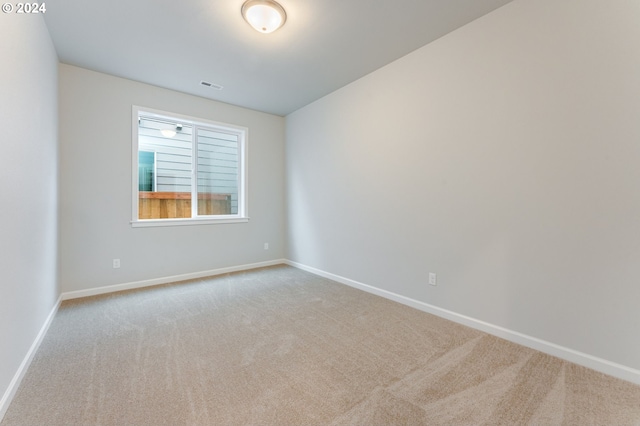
(324, 45)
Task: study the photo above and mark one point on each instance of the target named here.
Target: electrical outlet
(116, 263)
(433, 278)
(266, 246)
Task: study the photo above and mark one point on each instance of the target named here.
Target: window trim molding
(145, 223)
(243, 146)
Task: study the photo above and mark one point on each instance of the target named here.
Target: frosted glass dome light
(264, 16)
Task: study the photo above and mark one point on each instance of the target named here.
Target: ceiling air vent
(211, 85)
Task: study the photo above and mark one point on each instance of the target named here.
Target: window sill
(145, 223)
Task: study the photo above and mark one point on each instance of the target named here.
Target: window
(187, 170)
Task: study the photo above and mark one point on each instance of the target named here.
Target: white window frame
(243, 145)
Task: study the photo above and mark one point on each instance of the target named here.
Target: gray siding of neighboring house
(218, 164)
(217, 159)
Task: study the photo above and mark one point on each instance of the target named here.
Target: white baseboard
(24, 366)
(602, 365)
(164, 280)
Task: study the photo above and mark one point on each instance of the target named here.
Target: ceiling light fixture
(265, 16)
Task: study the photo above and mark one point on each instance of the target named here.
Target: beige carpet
(279, 346)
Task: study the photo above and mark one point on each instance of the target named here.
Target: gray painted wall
(95, 212)
(29, 186)
(505, 157)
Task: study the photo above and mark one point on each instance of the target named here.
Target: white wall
(28, 184)
(505, 156)
(95, 188)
